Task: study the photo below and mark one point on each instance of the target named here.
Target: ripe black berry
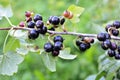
(42, 30)
(31, 24)
(117, 56)
(50, 19)
(92, 41)
(52, 29)
(55, 53)
(62, 21)
(111, 53)
(108, 26)
(58, 45)
(87, 45)
(48, 47)
(37, 17)
(33, 34)
(116, 24)
(118, 49)
(115, 32)
(82, 47)
(104, 46)
(58, 38)
(39, 24)
(78, 42)
(107, 36)
(107, 43)
(113, 46)
(55, 20)
(101, 37)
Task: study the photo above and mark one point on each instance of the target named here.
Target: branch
(62, 33)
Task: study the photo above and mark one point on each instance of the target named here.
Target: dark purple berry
(118, 49)
(31, 24)
(28, 19)
(113, 46)
(82, 47)
(50, 19)
(58, 38)
(33, 34)
(37, 17)
(108, 26)
(107, 36)
(55, 53)
(39, 24)
(117, 56)
(111, 53)
(55, 20)
(58, 45)
(48, 47)
(104, 46)
(101, 37)
(116, 24)
(78, 42)
(92, 41)
(115, 32)
(107, 43)
(62, 21)
(43, 30)
(87, 45)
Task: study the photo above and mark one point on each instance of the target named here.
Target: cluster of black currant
(56, 47)
(84, 43)
(107, 43)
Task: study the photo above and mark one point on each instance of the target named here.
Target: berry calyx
(58, 38)
(48, 47)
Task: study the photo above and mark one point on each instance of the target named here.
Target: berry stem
(62, 33)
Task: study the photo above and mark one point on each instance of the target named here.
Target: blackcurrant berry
(82, 47)
(115, 32)
(55, 53)
(58, 45)
(92, 41)
(48, 47)
(58, 38)
(117, 56)
(108, 26)
(116, 24)
(39, 24)
(50, 19)
(107, 43)
(101, 37)
(33, 34)
(107, 36)
(55, 20)
(78, 42)
(43, 30)
(62, 21)
(31, 24)
(104, 46)
(118, 49)
(87, 45)
(37, 17)
(113, 46)
(111, 53)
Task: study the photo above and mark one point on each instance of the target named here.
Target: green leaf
(77, 11)
(100, 75)
(4, 2)
(5, 11)
(65, 54)
(12, 44)
(91, 77)
(49, 61)
(9, 63)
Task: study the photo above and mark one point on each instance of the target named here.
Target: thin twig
(62, 33)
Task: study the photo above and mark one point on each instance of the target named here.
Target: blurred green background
(96, 14)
